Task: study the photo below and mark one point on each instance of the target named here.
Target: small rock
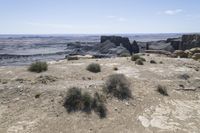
(116, 109)
(182, 86)
(127, 104)
(17, 99)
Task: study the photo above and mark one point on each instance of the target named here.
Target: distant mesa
(121, 41)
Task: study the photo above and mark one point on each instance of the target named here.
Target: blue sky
(98, 16)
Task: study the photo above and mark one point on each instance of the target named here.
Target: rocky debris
(193, 53)
(196, 56)
(195, 50)
(180, 53)
(45, 79)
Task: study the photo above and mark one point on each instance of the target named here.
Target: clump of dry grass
(38, 67)
(94, 67)
(78, 101)
(118, 86)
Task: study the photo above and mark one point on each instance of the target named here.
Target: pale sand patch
(76, 64)
(129, 72)
(2, 110)
(111, 64)
(22, 127)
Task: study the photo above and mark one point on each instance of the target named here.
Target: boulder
(196, 56)
(180, 53)
(195, 50)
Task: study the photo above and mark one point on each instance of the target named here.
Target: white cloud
(173, 12)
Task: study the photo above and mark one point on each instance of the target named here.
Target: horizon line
(100, 33)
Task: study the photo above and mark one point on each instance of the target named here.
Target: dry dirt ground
(33, 103)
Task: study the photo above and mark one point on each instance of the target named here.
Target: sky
(99, 16)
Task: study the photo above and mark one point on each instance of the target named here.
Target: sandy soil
(148, 111)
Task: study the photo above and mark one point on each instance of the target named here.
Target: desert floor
(147, 112)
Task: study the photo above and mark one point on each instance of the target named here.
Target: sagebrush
(38, 67)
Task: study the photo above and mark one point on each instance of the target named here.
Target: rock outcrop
(196, 56)
(185, 42)
(180, 53)
(104, 48)
(135, 47)
(190, 41)
(123, 41)
(193, 53)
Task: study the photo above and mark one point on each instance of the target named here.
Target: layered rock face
(123, 41)
(185, 42)
(190, 41)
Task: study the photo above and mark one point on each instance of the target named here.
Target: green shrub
(118, 86)
(153, 62)
(135, 57)
(162, 90)
(139, 62)
(99, 106)
(76, 101)
(38, 67)
(101, 110)
(87, 102)
(73, 101)
(94, 67)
